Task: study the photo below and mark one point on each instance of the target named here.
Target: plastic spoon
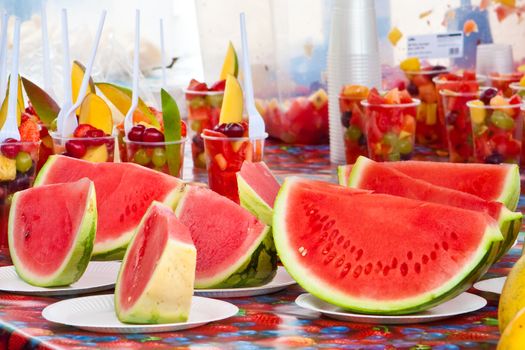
(48, 79)
(10, 128)
(3, 56)
(70, 122)
(256, 126)
(162, 54)
(128, 120)
(67, 103)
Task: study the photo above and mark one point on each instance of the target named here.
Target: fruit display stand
(266, 321)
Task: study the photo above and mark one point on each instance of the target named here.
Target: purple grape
(487, 95)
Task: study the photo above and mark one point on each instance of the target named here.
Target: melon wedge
(380, 178)
(230, 65)
(232, 103)
(500, 183)
(155, 282)
(258, 189)
(375, 253)
(124, 193)
(51, 232)
(234, 249)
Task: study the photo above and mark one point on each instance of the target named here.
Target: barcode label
(444, 45)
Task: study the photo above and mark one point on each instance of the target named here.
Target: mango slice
(231, 63)
(45, 107)
(95, 112)
(232, 105)
(19, 108)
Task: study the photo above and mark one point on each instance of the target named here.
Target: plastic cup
(166, 157)
(430, 127)
(458, 125)
(224, 158)
(204, 108)
(502, 82)
(494, 58)
(497, 132)
(353, 121)
(93, 149)
(19, 161)
(518, 89)
(391, 130)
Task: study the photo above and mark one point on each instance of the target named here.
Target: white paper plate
(461, 304)
(281, 281)
(97, 313)
(99, 276)
(492, 285)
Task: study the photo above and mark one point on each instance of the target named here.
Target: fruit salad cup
(458, 126)
(226, 150)
(353, 120)
(430, 127)
(204, 107)
(497, 129)
(502, 82)
(147, 147)
(87, 143)
(18, 161)
(391, 126)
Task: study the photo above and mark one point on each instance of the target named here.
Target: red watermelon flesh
(227, 237)
(376, 253)
(259, 177)
(124, 193)
(51, 232)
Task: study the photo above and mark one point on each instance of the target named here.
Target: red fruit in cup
(95, 133)
(152, 135)
(136, 133)
(76, 148)
(10, 148)
(218, 86)
(183, 129)
(197, 86)
(82, 130)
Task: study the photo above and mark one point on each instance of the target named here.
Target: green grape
(394, 156)
(390, 139)
(141, 157)
(502, 120)
(215, 100)
(405, 146)
(158, 157)
(353, 133)
(197, 102)
(23, 162)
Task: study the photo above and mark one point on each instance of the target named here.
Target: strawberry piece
(375, 98)
(514, 100)
(218, 86)
(469, 75)
(82, 130)
(29, 131)
(197, 86)
(404, 97)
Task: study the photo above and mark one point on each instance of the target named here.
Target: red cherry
(95, 133)
(10, 148)
(76, 148)
(152, 135)
(230, 129)
(135, 134)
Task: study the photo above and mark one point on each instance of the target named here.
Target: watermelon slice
(124, 193)
(257, 190)
(51, 232)
(500, 183)
(155, 282)
(376, 253)
(377, 177)
(234, 249)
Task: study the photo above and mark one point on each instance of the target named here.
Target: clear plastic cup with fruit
(430, 127)
(502, 82)
(227, 146)
(204, 107)
(391, 126)
(353, 120)
(87, 143)
(458, 126)
(147, 147)
(18, 162)
(497, 129)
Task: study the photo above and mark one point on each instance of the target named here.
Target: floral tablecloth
(263, 322)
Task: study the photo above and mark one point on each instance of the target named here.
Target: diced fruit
(76, 148)
(412, 64)
(24, 162)
(218, 85)
(7, 168)
(95, 112)
(221, 161)
(319, 98)
(231, 129)
(158, 157)
(355, 91)
(231, 64)
(96, 154)
(152, 135)
(502, 120)
(82, 129)
(29, 131)
(35, 231)
(498, 101)
(232, 105)
(392, 97)
(142, 157)
(477, 112)
(155, 283)
(10, 148)
(136, 133)
(522, 81)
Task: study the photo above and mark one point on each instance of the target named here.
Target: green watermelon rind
(479, 264)
(245, 272)
(77, 260)
(251, 201)
(155, 289)
(342, 175)
(115, 249)
(508, 221)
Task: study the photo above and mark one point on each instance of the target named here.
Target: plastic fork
(128, 120)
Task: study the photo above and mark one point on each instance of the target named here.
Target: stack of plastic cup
(353, 58)
(492, 58)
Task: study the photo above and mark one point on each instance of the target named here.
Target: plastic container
(94, 149)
